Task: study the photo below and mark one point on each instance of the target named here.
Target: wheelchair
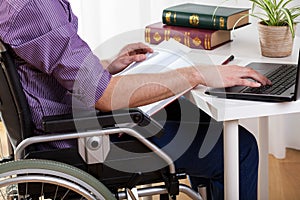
(90, 170)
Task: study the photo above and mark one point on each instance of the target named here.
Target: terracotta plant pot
(275, 41)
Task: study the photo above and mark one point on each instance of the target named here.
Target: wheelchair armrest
(89, 120)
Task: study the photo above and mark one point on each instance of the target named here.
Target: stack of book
(197, 26)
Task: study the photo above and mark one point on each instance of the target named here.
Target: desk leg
(263, 141)
(231, 160)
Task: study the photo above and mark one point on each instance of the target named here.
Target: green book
(205, 16)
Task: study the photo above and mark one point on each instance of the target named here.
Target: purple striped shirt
(57, 68)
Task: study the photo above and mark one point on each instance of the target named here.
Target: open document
(168, 55)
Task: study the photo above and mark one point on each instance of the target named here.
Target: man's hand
(232, 75)
(130, 53)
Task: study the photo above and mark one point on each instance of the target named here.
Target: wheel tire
(55, 173)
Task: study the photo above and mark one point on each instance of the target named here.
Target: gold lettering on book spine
(205, 41)
(168, 17)
(187, 39)
(215, 21)
(221, 22)
(194, 20)
(147, 35)
(197, 41)
(156, 37)
(175, 17)
(208, 42)
(167, 34)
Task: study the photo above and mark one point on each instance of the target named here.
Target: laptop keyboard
(282, 78)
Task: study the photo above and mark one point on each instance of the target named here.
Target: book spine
(193, 39)
(194, 20)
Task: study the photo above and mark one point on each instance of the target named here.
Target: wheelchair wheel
(45, 179)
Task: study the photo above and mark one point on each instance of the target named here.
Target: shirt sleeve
(44, 34)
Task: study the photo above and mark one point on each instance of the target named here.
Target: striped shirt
(57, 69)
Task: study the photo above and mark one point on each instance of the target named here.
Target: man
(58, 72)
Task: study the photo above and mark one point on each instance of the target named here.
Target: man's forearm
(142, 89)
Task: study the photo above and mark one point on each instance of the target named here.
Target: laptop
(285, 84)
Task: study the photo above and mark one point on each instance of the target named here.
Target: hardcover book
(205, 16)
(192, 37)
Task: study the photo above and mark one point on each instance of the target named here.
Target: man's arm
(141, 89)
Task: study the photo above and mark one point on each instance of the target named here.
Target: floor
(284, 176)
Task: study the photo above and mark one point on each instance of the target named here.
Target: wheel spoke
(65, 195)
(44, 179)
(42, 190)
(55, 194)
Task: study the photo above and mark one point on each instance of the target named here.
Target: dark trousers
(195, 142)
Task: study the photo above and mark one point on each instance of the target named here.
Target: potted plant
(277, 22)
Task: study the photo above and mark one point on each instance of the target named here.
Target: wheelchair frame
(173, 187)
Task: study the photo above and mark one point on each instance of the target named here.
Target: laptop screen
(297, 88)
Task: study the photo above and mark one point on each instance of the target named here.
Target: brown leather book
(192, 37)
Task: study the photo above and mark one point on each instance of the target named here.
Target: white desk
(245, 47)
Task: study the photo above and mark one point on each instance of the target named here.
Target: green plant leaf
(289, 19)
(276, 12)
(286, 3)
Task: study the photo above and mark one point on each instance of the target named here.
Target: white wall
(100, 20)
